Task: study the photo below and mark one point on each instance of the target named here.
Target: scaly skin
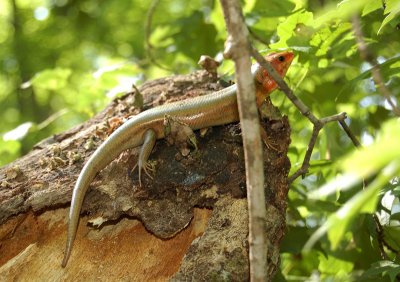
(214, 109)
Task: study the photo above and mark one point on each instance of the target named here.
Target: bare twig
(147, 31)
(349, 133)
(258, 38)
(375, 70)
(318, 124)
(305, 111)
(306, 161)
(237, 48)
(337, 117)
(316, 129)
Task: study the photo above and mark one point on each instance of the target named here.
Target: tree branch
(318, 124)
(349, 133)
(316, 129)
(237, 48)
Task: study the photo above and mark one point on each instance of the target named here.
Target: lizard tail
(103, 155)
(81, 186)
(123, 138)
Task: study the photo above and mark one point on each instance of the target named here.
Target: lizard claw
(147, 167)
(268, 142)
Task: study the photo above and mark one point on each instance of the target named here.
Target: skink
(214, 109)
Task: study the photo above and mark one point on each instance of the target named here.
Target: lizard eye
(281, 58)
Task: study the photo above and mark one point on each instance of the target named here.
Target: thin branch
(304, 110)
(316, 129)
(349, 133)
(147, 31)
(258, 38)
(318, 124)
(337, 117)
(375, 70)
(237, 48)
(306, 161)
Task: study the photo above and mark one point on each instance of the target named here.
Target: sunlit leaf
(371, 159)
(366, 161)
(324, 38)
(371, 5)
(297, 26)
(392, 10)
(341, 11)
(19, 132)
(9, 150)
(332, 265)
(51, 79)
(363, 202)
(274, 8)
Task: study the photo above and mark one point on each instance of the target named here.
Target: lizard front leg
(149, 139)
(176, 132)
(179, 133)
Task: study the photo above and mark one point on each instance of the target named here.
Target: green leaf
(325, 38)
(392, 236)
(274, 8)
(396, 191)
(366, 161)
(334, 266)
(392, 8)
(295, 239)
(316, 205)
(363, 202)
(343, 11)
(9, 150)
(51, 79)
(381, 269)
(389, 67)
(370, 159)
(297, 28)
(196, 37)
(372, 5)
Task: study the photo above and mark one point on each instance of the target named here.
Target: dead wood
(193, 212)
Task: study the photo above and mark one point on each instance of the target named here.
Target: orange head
(264, 83)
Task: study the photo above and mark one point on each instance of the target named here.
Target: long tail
(103, 155)
(81, 186)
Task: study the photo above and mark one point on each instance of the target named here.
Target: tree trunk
(188, 223)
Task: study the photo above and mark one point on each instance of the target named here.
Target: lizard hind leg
(149, 139)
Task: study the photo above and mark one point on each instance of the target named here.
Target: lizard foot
(148, 167)
(268, 142)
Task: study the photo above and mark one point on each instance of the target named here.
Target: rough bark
(188, 223)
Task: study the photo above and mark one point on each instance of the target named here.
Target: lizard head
(264, 82)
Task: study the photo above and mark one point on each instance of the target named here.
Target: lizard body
(214, 109)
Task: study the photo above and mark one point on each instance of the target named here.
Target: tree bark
(190, 221)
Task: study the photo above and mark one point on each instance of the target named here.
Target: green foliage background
(64, 60)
